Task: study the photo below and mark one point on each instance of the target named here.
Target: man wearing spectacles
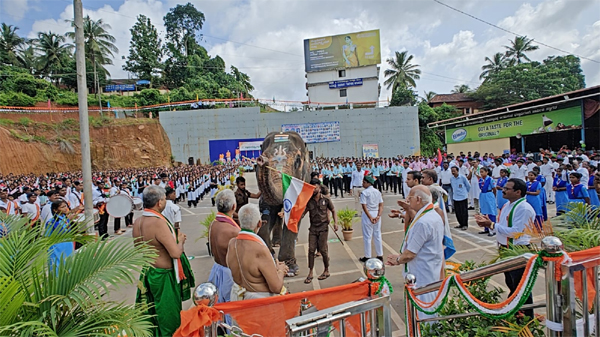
(512, 221)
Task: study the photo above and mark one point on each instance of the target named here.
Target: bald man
(422, 251)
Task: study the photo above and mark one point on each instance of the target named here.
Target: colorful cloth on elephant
(159, 290)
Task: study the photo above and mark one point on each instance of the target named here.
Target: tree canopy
(529, 81)
(179, 63)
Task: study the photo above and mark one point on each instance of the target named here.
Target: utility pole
(84, 124)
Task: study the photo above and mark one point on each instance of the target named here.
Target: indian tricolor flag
(296, 194)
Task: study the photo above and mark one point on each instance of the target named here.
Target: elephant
(285, 152)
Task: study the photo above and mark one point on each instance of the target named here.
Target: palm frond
(84, 277)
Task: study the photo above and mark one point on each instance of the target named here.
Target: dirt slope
(113, 146)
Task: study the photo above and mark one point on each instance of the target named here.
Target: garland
(382, 282)
(501, 310)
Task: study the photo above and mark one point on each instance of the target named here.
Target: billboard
(370, 151)
(315, 132)
(342, 51)
(534, 121)
(119, 87)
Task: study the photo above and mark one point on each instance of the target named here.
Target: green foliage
(19, 136)
(24, 121)
(430, 141)
(68, 300)
(150, 97)
(98, 122)
(475, 325)
(6, 122)
(402, 73)
(206, 224)
(182, 24)
(346, 217)
(579, 227)
(16, 99)
(404, 96)
(529, 81)
(145, 49)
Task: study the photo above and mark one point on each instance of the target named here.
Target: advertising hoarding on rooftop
(342, 51)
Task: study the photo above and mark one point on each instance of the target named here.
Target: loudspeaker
(310, 155)
(191, 160)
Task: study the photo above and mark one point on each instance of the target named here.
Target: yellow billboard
(342, 51)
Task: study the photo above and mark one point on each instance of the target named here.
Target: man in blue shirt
(337, 180)
(394, 174)
(460, 195)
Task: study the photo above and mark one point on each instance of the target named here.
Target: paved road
(344, 266)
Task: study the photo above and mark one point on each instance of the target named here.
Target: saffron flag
(296, 194)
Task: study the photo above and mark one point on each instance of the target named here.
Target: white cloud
(449, 47)
(14, 8)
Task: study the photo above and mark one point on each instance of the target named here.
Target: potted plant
(346, 218)
(206, 223)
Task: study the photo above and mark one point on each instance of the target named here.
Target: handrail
(486, 271)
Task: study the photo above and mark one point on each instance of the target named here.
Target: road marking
(395, 317)
(187, 210)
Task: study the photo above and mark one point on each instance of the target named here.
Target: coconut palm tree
(517, 49)
(463, 88)
(402, 72)
(99, 46)
(494, 64)
(242, 79)
(37, 299)
(27, 58)
(54, 53)
(428, 96)
(9, 42)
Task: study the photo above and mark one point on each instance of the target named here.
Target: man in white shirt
(497, 168)
(547, 170)
(356, 183)
(372, 206)
(77, 198)
(31, 209)
(23, 197)
(585, 175)
(405, 188)
(46, 210)
(530, 164)
(513, 218)
(7, 206)
(172, 211)
(446, 183)
(422, 251)
(518, 171)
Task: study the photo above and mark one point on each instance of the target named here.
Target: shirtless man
(254, 272)
(158, 284)
(221, 231)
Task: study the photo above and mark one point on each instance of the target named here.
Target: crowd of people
(32, 195)
(507, 193)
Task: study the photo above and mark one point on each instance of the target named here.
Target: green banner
(529, 122)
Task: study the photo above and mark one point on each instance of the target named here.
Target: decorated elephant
(285, 152)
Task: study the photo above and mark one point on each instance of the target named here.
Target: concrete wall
(394, 129)
(318, 85)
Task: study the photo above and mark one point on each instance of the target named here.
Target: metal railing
(561, 304)
(374, 313)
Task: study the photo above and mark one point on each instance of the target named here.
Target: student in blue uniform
(559, 186)
(543, 196)
(576, 191)
(487, 200)
(594, 201)
(534, 188)
(59, 222)
(500, 201)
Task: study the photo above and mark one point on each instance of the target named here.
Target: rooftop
(450, 98)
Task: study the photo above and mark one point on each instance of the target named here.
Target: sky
(264, 38)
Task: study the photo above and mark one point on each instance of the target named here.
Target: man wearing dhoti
(167, 283)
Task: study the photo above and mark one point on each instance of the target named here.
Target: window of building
(343, 93)
(342, 73)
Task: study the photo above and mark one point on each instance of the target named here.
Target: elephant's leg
(287, 251)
